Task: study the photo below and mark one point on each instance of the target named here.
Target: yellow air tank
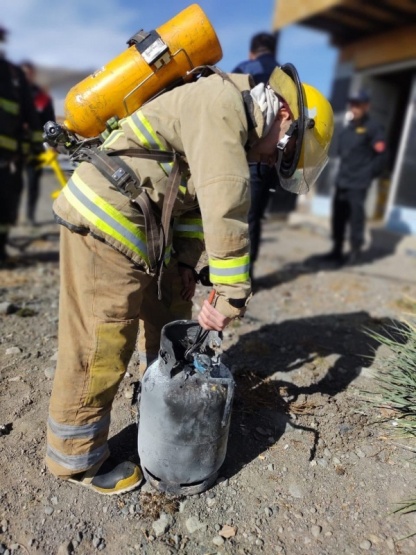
(153, 61)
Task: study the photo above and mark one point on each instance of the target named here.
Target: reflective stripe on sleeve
(188, 227)
(77, 462)
(66, 431)
(8, 143)
(37, 136)
(105, 217)
(232, 270)
(9, 106)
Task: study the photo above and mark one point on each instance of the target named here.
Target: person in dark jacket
(44, 106)
(18, 117)
(361, 149)
(263, 178)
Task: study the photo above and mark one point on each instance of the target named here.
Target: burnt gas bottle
(185, 408)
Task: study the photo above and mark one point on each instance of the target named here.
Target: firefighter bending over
(196, 189)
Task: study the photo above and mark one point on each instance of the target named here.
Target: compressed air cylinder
(154, 61)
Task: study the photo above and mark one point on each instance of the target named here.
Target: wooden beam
(379, 12)
(355, 21)
(287, 12)
(394, 46)
(407, 6)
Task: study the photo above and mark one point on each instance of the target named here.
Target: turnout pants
(99, 309)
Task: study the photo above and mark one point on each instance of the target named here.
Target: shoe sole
(106, 492)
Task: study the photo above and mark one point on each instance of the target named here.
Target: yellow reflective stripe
(148, 137)
(105, 217)
(112, 138)
(144, 131)
(188, 227)
(232, 270)
(9, 106)
(168, 255)
(37, 136)
(8, 143)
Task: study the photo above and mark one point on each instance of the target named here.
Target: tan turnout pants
(101, 298)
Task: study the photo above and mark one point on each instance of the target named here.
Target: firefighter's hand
(188, 282)
(210, 318)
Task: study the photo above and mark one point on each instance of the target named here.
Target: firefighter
(44, 107)
(18, 119)
(203, 135)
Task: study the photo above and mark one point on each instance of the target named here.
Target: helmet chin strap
(281, 145)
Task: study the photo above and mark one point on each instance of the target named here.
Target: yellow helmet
(312, 126)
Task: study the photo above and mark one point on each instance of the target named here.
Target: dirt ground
(309, 468)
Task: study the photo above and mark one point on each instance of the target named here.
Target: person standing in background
(18, 117)
(44, 107)
(361, 148)
(263, 178)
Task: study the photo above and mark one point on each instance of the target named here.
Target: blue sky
(85, 34)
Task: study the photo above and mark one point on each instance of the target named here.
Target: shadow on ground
(382, 245)
(265, 360)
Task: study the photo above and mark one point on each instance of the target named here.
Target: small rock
(365, 545)
(193, 524)
(182, 506)
(49, 373)
(65, 549)
(7, 308)
(49, 510)
(129, 393)
(268, 511)
(5, 430)
(13, 351)
(228, 531)
(316, 530)
(162, 525)
(218, 541)
(211, 502)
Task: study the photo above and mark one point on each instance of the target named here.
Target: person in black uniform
(17, 117)
(361, 150)
(44, 106)
(263, 178)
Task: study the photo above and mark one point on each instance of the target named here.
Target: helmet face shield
(312, 161)
(303, 151)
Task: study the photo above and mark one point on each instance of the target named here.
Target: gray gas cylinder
(185, 409)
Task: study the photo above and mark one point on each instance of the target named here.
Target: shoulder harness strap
(113, 168)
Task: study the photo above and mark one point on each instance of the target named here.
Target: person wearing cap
(263, 178)
(187, 153)
(19, 123)
(361, 149)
